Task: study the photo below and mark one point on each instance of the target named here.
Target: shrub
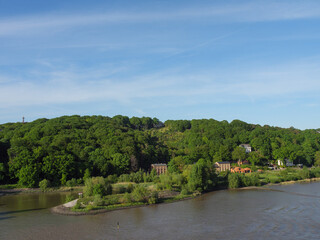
(69, 198)
(79, 181)
(111, 200)
(112, 178)
(44, 184)
(97, 185)
(315, 172)
(89, 207)
(130, 188)
(126, 198)
(153, 198)
(98, 189)
(71, 183)
(124, 178)
(139, 194)
(76, 206)
(98, 201)
(184, 190)
(121, 189)
(63, 179)
(86, 174)
(234, 180)
(305, 173)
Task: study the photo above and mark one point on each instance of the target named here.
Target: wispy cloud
(249, 11)
(90, 85)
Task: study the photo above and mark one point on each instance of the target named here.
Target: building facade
(247, 147)
(222, 166)
(160, 168)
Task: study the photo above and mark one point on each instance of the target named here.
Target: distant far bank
(66, 149)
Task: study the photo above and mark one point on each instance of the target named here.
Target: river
(285, 212)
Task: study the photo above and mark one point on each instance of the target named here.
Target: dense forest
(69, 147)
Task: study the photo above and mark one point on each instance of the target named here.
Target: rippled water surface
(286, 212)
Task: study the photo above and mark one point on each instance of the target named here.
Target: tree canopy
(66, 147)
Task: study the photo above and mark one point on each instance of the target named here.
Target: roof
(245, 145)
(158, 164)
(226, 162)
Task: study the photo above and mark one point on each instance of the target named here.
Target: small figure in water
(118, 225)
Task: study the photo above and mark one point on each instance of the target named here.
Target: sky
(257, 61)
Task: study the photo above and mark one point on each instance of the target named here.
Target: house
(246, 170)
(222, 166)
(286, 162)
(247, 147)
(241, 170)
(289, 163)
(240, 162)
(236, 170)
(160, 168)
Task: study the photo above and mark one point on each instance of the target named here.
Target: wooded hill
(63, 148)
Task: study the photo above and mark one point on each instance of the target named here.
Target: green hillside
(63, 148)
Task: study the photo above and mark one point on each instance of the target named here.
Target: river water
(285, 212)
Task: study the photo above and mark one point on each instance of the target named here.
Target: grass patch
(9, 186)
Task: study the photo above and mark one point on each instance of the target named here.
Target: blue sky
(257, 61)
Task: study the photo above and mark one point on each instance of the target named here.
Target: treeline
(67, 147)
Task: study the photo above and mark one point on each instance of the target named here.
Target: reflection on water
(286, 212)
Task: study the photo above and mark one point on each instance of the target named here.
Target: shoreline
(62, 210)
(4, 192)
(65, 209)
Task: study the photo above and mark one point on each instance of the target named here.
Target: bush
(86, 174)
(69, 198)
(139, 194)
(89, 207)
(111, 200)
(79, 181)
(153, 198)
(305, 173)
(77, 206)
(315, 172)
(71, 183)
(44, 184)
(234, 180)
(130, 188)
(124, 178)
(112, 178)
(98, 189)
(98, 201)
(184, 190)
(97, 185)
(126, 198)
(121, 189)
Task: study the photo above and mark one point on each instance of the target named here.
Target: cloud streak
(252, 11)
(75, 86)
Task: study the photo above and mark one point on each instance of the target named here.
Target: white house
(287, 162)
(247, 147)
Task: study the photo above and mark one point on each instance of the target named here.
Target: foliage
(97, 186)
(72, 183)
(69, 198)
(234, 180)
(140, 194)
(68, 147)
(317, 158)
(239, 153)
(44, 184)
(202, 176)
